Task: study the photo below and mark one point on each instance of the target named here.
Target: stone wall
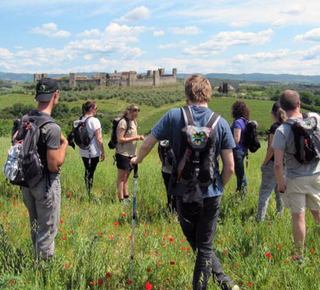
(130, 79)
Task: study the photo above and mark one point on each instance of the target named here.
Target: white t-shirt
(93, 124)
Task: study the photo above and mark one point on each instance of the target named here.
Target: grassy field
(93, 244)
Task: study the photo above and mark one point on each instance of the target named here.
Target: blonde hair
(281, 115)
(198, 89)
(130, 109)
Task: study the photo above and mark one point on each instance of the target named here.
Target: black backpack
(196, 166)
(24, 166)
(114, 138)
(306, 138)
(250, 137)
(81, 135)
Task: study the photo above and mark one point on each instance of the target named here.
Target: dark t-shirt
(272, 131)
(49, 135)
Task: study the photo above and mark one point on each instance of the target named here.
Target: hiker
(198, 137)
(93, 152)
(241, 114)
(127, 137)
(301, 189)
(43, 200)
(268, 181)
(166, 157)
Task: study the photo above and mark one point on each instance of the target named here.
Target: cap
(45, 88)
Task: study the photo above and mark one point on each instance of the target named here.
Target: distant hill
(261, 77)
(255, 77)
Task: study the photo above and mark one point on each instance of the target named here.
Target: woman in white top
(95, 151)
(127, 137)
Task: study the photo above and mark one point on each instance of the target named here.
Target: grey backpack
(24, 166)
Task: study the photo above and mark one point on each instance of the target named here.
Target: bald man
(301, 189)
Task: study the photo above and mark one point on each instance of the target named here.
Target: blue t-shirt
(170, 127)
(240, 124)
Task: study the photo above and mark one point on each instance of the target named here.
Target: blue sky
(194, 36)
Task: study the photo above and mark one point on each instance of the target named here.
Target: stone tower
(174, 72)
(132, 78)
(161, 72)
(156, 78)
(72, 80)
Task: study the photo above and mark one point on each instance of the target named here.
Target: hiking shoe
(226, 283)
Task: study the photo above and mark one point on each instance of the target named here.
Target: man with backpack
(42, 198)
(198, 138)
(297, 143)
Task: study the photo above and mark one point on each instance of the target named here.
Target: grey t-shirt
(284, 140)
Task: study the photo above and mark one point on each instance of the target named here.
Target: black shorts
(123, 162)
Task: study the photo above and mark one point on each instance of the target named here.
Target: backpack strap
(213, 120)
(187, 115)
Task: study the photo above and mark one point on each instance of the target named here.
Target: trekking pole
(134, 217)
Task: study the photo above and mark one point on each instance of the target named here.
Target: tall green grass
(94, 238)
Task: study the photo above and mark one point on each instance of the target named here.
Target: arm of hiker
(99, 138)
(270, 151)
(237, 135)
(278, 169)
(122, 139)
(228, 165)
(56, 157)
(145, 149)
(279, 146)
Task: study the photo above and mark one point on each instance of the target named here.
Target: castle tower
(161, 72)
(72, 80)
(156, 78)
(174, 72)
(132, 78)
(102, 79)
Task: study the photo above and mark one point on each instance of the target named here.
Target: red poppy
(100, 282)
(100, 234)
(64, 237)
(250, 284)
(129, 281)
(268, 255)
(123, 214)
(108, 275)
(148, 286)
(116, 223)
(111, 237)
(312, 251)
(171, 239)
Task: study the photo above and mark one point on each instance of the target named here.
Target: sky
(222, 36)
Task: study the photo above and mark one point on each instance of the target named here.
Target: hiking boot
(226, 283)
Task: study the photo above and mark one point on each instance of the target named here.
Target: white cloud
(252, 12)
(311, 35)
(158, 33)
(224, 40)
(5, 53)
(137, 14)
(174, 45)
(50, 30)
(262, 56)
(188, 30)
(90, 33)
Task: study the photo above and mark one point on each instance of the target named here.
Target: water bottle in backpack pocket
(24, 166)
